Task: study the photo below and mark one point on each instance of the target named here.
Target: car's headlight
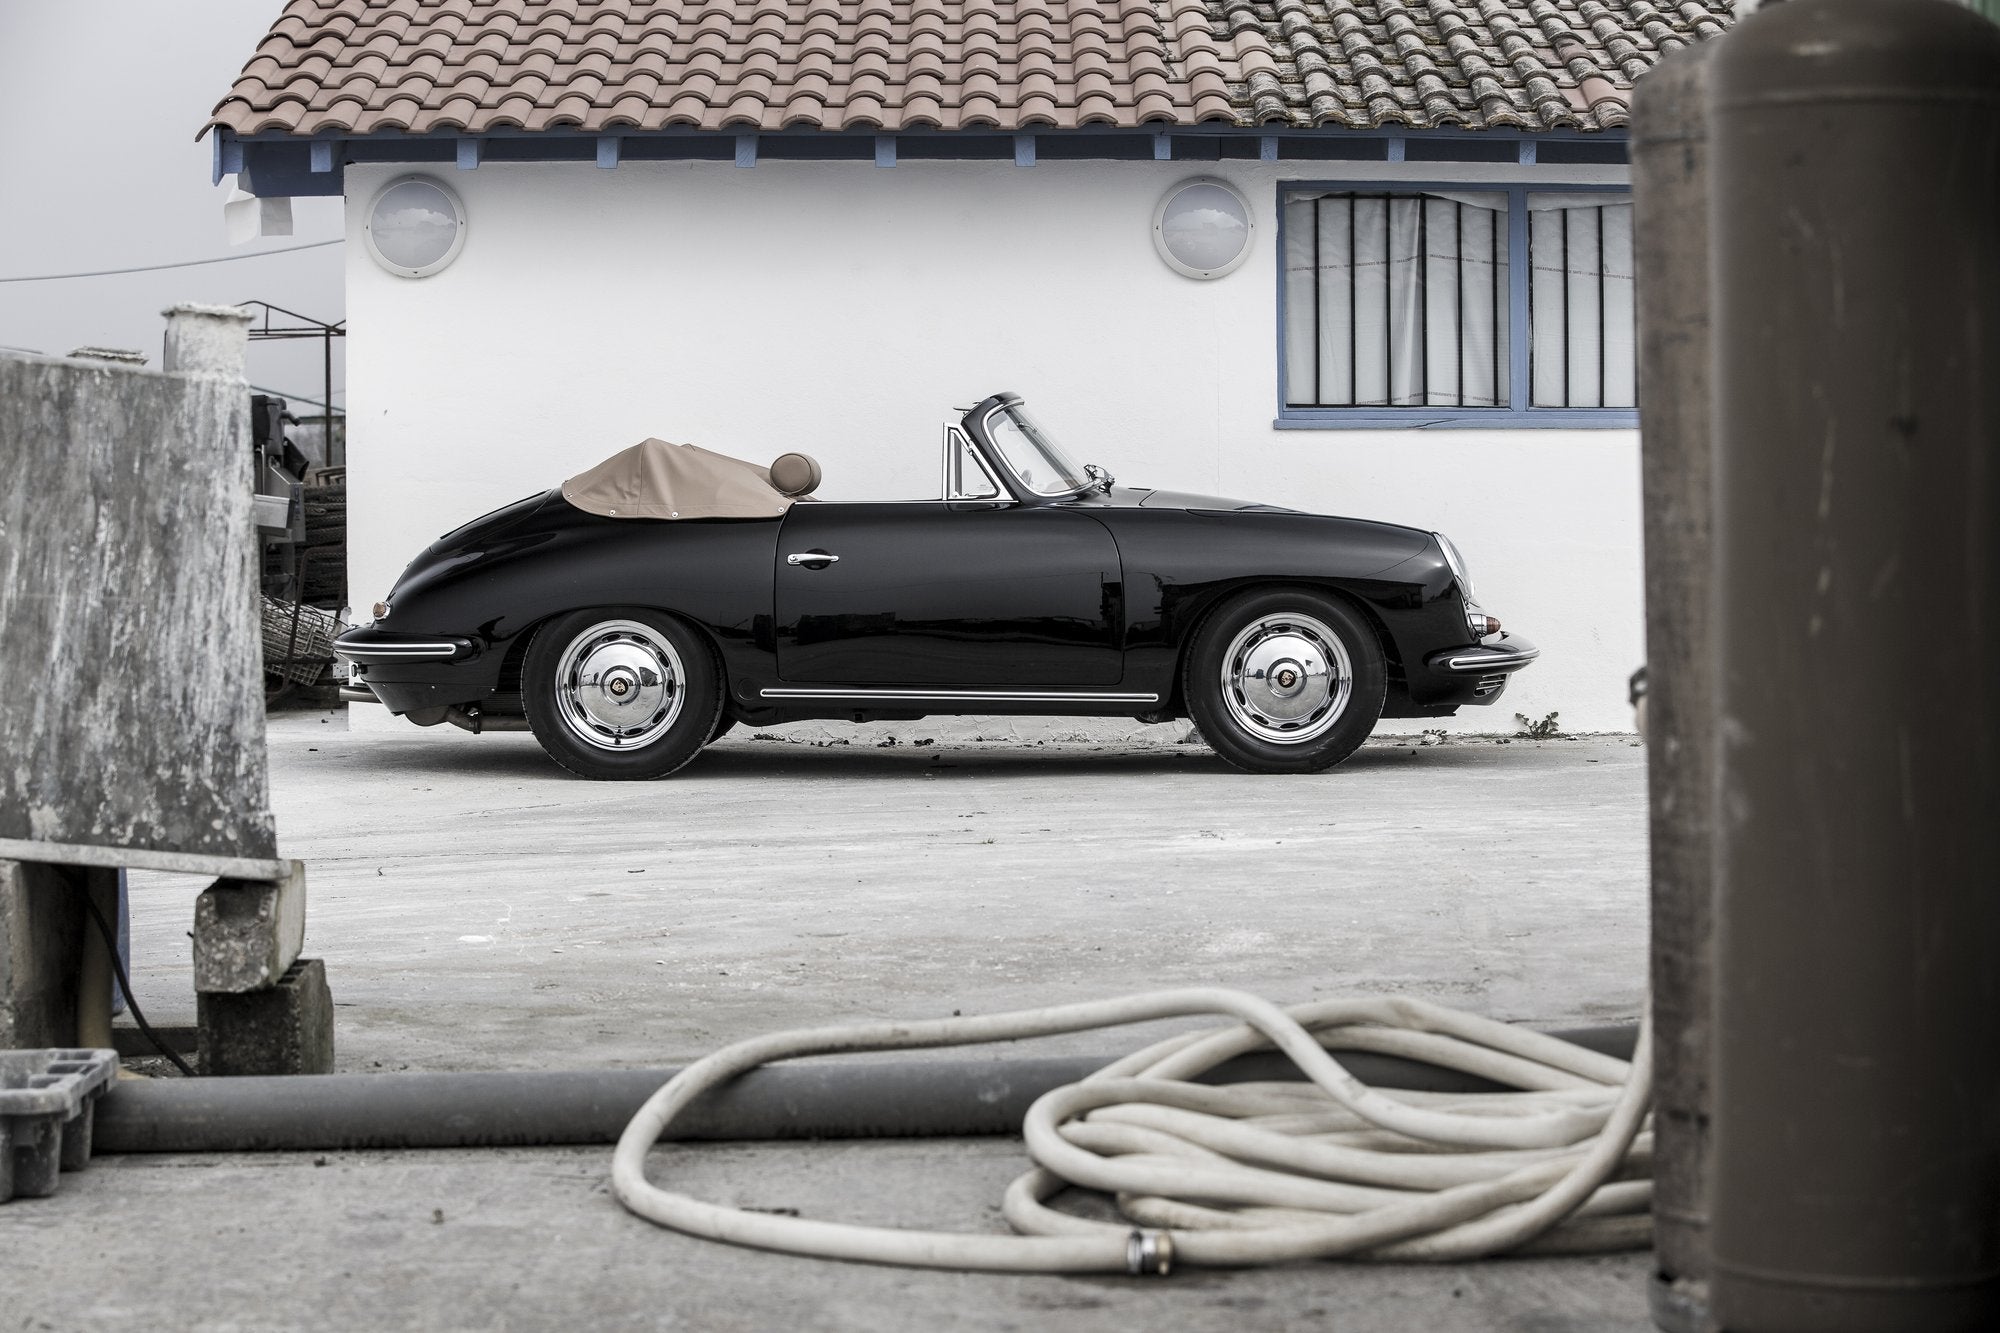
(1476, 620)
(1457, 563)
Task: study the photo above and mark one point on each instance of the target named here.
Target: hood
(1183, 500)
(1144, 497)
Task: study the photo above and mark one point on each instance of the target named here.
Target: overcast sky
(100, 102)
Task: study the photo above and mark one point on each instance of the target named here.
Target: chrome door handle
(812, 559)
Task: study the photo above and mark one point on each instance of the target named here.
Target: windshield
(1036, 459)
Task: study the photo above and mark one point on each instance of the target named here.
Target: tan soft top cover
(655, 479)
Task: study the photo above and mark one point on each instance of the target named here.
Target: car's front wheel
(620, 692)
(1284, 681)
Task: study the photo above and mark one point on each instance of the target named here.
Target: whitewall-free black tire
(620, 692)
(1284, 680)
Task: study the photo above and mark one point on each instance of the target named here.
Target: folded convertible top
(655, 479)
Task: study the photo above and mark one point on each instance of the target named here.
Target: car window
(1035, 458)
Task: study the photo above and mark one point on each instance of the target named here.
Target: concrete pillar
(210, 340)
(1671, 250)
(41, 940)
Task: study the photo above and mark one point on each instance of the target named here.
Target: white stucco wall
(843, 309)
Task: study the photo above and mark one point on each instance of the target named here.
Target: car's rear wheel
(1284, 681)
(620, 692)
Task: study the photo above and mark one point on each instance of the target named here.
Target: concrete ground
(477, 909)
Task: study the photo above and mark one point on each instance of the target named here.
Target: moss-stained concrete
(134, 712)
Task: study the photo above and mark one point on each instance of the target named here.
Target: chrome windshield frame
(988, 444)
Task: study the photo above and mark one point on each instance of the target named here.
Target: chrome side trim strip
(1490, 661)
(969, 696)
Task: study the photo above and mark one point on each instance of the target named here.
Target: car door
(947, 593)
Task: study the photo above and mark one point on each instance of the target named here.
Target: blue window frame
(1454, 304)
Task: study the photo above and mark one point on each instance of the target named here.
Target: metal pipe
(877, 1099)
(1855, 176)
(476, 720)
(1671, 252)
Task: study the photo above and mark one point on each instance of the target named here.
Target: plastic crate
(47, 1101)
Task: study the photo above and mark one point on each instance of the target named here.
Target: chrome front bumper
(370, 646)
(1509, 654)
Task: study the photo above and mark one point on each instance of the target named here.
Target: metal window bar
(1601, 385)
(1499, 324)
(1353, 315)
(1422, 394)
(1388, 309)
(1459, 309)
(1319, 321)
(1567, 396)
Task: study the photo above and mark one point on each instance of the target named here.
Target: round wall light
(1202, 228)
(415, 226)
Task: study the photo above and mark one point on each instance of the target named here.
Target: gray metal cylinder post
(1670, 249)
(1855, 172)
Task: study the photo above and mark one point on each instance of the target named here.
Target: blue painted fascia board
(301, 168)
(1214, 130)
(227, 151)
(1457, 418)
(270, 163)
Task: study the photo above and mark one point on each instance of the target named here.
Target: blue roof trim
(1458, 418)
(284, 164)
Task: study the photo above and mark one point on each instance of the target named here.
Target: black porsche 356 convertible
(635, 614)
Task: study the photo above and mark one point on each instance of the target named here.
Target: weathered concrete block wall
(133, 712)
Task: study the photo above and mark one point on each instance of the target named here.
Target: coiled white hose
(1250, 1173)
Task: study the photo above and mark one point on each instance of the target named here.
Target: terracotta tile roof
(595, 65)
(474, 66)
(1479, 64)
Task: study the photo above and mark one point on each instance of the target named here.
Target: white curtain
(1396, 300)
(1580, 300)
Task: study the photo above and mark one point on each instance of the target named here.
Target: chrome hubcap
(1286, 678)
(619, 685)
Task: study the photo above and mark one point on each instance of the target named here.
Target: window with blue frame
(1445, 304)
